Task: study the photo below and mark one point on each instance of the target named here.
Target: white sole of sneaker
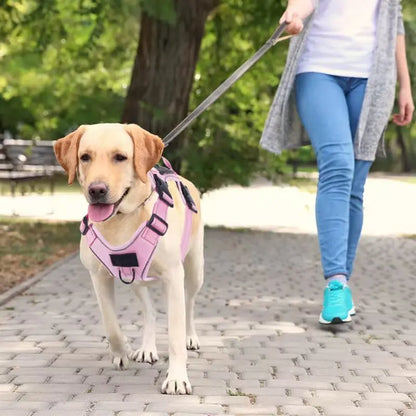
(335, 320)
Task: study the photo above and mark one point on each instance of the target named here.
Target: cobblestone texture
(263, 352)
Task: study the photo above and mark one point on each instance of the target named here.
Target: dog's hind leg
(119, 347)
(148, 351)
(194, 277)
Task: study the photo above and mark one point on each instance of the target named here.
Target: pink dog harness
(132, 260)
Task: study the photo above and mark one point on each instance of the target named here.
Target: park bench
(28, 160)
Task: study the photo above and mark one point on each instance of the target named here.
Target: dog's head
(111, 162)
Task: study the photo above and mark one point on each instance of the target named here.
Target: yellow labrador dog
(111, 162)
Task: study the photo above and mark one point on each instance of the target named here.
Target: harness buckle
(188, 198)
(85, 224)
(163, 190)
(153, 223)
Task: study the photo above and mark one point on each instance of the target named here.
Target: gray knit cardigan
(283, 129)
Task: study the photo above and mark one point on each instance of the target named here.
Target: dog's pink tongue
(100, 212)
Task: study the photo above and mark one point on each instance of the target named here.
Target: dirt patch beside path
(28, 247)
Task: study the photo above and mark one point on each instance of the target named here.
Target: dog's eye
(119, 157)
(85, 157)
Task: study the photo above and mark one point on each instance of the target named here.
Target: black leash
(226, 84)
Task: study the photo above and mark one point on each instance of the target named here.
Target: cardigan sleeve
(400, 24)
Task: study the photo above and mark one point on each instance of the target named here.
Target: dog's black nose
(98, 191)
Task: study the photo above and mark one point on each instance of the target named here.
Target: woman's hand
(405, 100)
(295, 13)
(406, 107)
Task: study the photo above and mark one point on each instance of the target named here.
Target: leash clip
(163, 191)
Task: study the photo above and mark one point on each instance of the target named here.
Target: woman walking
(337, 92)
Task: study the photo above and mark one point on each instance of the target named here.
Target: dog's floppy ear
(148, 149)
(66, 152)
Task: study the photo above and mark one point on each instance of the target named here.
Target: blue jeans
(329, 107)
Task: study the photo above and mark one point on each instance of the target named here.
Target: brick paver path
(263, 352)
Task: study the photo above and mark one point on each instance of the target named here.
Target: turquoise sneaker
(337, 304)
(348, 299)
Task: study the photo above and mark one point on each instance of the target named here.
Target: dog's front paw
(145, 356)
(179, 385)
(121, 362)
(192, 342)
(120, 351)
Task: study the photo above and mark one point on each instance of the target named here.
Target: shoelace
(336, 295)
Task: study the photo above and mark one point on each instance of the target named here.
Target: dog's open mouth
(102, 212)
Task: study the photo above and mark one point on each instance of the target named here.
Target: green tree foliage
(223, 142)
(64, 63)
(67, 63)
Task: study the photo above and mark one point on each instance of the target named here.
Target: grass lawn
(408, 179)
(28, 246)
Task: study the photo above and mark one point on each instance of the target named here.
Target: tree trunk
(163, 72)
(402, 145)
